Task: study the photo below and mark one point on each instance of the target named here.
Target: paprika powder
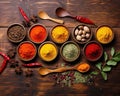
(93, 51)
(37, 33)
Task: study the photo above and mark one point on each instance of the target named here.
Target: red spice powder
(93, 51)
(38, 33)
(27, 51)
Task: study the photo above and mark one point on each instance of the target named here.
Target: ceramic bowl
(96, 55)
(82, 34)
(104, 34)
(70, 51)
(16, 33)
(37, 33)
(26, 51)
(60, 30)
(48, 51)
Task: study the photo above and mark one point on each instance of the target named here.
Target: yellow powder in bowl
(48, 51)
(60, 34)
(104, 34)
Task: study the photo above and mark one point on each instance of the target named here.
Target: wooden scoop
(84, 67)
(44, 15)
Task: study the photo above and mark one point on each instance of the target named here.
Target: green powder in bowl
(70, 51)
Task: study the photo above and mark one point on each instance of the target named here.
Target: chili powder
(93, 51)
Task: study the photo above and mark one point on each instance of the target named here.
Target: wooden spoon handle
(57, 20)
(62, 69)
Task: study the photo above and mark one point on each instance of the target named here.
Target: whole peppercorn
(18, 70)
(13, 63)
(11, 52)
(28, 73)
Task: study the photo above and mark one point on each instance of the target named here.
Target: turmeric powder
(60, 34)
(104, 35)
(26, 50)
(48, 52)
(84, 67)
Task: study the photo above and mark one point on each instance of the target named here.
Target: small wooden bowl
(53, 39)
(16, 35)
(48, 42)
(81, 33)
(70, 51)
(24, 59)
(100, 53)
(37, 34)
(100, 40)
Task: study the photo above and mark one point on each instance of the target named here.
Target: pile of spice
(82, 33)
(93, 51)
(26, 50)
(37, 33)
(70, 51)
(48, 51)
(104, 34)
(16, 33)
(60, 34)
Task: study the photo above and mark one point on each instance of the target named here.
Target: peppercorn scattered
(28, 73)
(18, 70)
(11, 52)
(13, 63)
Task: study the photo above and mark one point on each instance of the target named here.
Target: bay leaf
(111, 62)
(94, 73)
(116, 57)
(106, 68)
(105, 56)
(98, 65)
(112, 51)
(104, 75)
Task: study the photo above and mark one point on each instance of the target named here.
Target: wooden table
(102, 12)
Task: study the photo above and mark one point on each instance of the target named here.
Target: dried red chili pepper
(24, 14)
(32, 65)
(6, 58)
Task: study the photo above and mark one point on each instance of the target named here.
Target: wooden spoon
(60, 12)
(44, 15)
(79, 67)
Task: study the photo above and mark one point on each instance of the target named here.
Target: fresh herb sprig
(110, 60)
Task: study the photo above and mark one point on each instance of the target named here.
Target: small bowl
(70, 51)
(46, 50)
(58, 32)
(99, 40)
(87, 50)
(16, 33)
(37, 35)
(82, 34)
(26, 54)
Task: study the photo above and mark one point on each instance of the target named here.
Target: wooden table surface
(102, 12)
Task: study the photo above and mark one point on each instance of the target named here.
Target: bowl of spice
(48, 51)
(93, 51)
(16, 33)
(82, 34)
(104, 34)
(37, 33)
(59, 34)
(70, 51)
(26, 51)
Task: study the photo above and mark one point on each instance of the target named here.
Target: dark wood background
(102, 12)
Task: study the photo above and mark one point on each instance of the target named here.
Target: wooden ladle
(44, 15)
(84, 67)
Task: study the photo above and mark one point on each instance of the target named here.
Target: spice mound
(70, 51)
(26, 51)
(93, 51)
(16, 33)
(84, 67)
(37, 33)
(48, 51)
(59, 34)
(104, 34)
(82, 34)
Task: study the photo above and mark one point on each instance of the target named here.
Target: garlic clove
(78, 37)
(76, 32)
(87, 35)
(86, 29)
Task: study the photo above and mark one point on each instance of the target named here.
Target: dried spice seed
(13, 63)
(28, 73)
(11, 52)
(18, 70)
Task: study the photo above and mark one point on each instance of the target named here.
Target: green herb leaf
(94, 73)
(105, 56)
(104, 75)
(98, 65)
(112, 51)
(116, 57)
(106, 68)
(112, 62)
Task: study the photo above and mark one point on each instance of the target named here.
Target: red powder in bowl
(38, 33)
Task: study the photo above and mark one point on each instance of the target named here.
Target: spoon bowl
(44, 15)
(82, 67)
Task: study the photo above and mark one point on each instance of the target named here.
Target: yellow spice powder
(104, 35)
(60, 34)
(48, 52)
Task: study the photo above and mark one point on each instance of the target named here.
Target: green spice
(70, 51)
